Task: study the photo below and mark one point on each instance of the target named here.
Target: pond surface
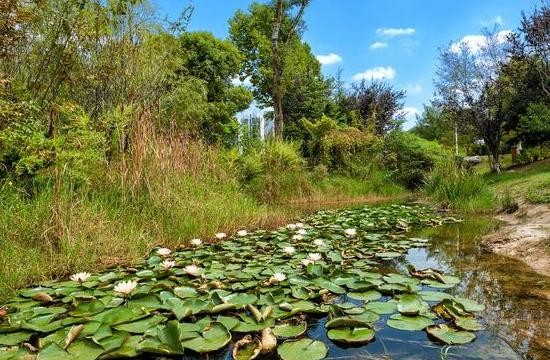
(363, 265)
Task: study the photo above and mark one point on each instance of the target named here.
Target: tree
(209, 65)
(378, 104)
(269, 37)
(532, 42)
(467, 85)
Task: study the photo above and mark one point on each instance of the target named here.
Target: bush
(461, 189)
(535, 153)
(410, 157)
(274, 172)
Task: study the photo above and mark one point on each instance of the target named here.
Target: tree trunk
(277, 98)
(494, 156)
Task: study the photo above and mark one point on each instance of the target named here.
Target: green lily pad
(88, 308)
(409, 304)
(351, 335)
(368, 295)
(428, 295)
(450, 336)
(140, 326)
(213, 338)
(410, 323)
(289, 330)
(381, 308)
(469, 305)
(466, 323)
(16, 338)
(302, 349)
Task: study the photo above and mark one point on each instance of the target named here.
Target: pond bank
(525, 236)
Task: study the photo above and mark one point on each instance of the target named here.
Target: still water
(517, 300)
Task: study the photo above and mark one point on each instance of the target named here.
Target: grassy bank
(165, 195)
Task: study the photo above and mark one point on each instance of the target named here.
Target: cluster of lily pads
(253, 293)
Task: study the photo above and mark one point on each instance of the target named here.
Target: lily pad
(214, 337)
(351, 335)
(450, 336)
(409, 304)
(382, 308)
(302, 349)
(289, 330)
(410, 323)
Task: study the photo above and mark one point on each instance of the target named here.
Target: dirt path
(525, 236)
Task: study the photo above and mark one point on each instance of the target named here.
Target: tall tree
(268, 35)
(378, 104)
(467, 84)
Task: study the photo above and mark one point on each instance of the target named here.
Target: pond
(341, 283)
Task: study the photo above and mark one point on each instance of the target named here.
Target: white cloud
(497, 20)
(395, 31)
(378, 45)
(414, 89)
(474, 43)
(410, 112)
(376, 73)
(329, 59)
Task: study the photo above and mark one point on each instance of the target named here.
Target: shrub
(410, 157)
(456, 187)
(275, 172)
(535, 153)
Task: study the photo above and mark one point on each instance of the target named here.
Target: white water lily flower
(277, 278)
(301, 232)
(80, 277)
(297, 237)
(196, 242)
(193, 270)
(242, 232)
(125, 288)
(350, 232)
(164, 251)
(306, 262)
(291, 226)
(314, 257)
(220, 235)
(168, 264)
(289, 250)
(299, 225)
(318, 242)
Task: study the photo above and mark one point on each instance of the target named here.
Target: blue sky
(394, 40)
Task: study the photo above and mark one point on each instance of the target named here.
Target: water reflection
(517, 298)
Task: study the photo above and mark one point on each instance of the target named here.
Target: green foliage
(535, 153)
(275, 171)
(463, 190)
(410, 158)
(508, 204)
(534, 125)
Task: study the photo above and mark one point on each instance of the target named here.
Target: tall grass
(166, 190)
(460, 189)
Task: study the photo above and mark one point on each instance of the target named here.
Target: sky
(392, 40)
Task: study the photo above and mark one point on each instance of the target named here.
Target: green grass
(116, 220)
(530, 182)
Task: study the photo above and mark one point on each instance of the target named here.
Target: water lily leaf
(469, 305)
(449, 282)
(367, 316)
(450, 336)
(140, 326)
(241, 299)
(85, 350)
(466, 323)
(409, 304)
(290, 330)
(88, 308)
(330, 286)
(302, 349)
(388, 254)
(342, 322)
(368, 295)
(14, 338)
(150, 302)
(126, 350)
(411, 323)
(229, 322)
(115, 316)
(185, 292)
(381, 308)
(213, 338)
(351, 335)
(53, 352)
(247, 348)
